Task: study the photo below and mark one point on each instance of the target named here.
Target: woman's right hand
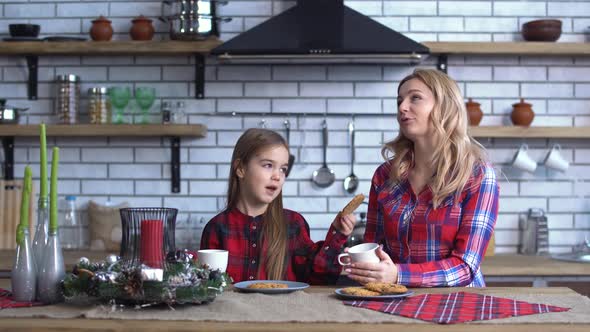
(384, 271)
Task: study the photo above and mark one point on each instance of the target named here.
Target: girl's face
(414, 104)
(262, 179)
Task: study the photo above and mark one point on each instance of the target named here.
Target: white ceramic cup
(216, 259)
(364, 252)
(523, 161)
(555, 160)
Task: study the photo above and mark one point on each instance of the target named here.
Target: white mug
(364, 252)
(555, 160)
(216, 259)
(523, 161)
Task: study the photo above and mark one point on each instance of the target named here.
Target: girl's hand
(384, 271)
(344, 224)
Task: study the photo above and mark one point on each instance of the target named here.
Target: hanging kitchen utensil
(324, 176)
(351, 182)
(287, 124)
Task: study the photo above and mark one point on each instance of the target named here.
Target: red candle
(152, 243)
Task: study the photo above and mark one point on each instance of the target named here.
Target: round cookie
(359, 291)
(266, 285)
(386, 288)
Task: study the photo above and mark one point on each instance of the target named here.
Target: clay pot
(474, 112)
(542, 30)
(101, 29)
(522, 113)
(142, 28)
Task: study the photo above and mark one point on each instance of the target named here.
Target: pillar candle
(152, 243)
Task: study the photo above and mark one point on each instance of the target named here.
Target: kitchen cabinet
(536, 271)
(175, 131)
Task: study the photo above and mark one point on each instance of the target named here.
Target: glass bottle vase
(51, 271)
(24, 272)
(41, 230)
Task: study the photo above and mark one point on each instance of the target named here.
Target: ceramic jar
(474, 112)
(522, 113)
(101, 29)
(142, 28)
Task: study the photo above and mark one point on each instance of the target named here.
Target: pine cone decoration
(133, 284)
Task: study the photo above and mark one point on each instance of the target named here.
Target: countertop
(492, 266)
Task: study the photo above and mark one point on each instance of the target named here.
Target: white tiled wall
(138, 171)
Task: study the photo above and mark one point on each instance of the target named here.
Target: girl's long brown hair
(456, 153)
(274, 225)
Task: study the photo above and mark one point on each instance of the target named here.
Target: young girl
(264, 240)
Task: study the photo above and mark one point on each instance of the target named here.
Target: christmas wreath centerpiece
(112, 281)
(149, 270)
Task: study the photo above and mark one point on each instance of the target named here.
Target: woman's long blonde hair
(456, 153)
(274, 225)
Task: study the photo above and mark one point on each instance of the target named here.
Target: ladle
(323, 177)
(287, 124)
(351, 182)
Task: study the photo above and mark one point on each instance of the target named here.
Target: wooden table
(65, 325)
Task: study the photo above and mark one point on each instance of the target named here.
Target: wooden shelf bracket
(442, 63)
(33, 65)
(8, 146)
(175, 164)
(199, 76)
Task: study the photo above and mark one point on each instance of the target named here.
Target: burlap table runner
(296, 307)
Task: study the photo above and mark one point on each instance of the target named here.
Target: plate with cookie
(374, 291)
(270, 286)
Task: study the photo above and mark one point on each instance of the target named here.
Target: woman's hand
(345, 224)
(384, 271)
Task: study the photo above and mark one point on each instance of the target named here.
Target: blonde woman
(433, 204)
(264, 240)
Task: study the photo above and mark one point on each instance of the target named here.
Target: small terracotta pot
(522, 113)
(474, 112)
(142, 28)
(101, 29)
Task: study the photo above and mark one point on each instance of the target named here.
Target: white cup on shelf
(554, 159)
(523, 161)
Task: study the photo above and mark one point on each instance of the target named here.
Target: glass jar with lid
(99, 106)
(68, 98)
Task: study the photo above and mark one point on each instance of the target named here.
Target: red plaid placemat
(6, 301)
(456, 307)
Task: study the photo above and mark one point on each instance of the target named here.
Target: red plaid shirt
(314, 263)
(434, 247)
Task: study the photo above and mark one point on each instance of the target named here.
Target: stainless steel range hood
(320, 31)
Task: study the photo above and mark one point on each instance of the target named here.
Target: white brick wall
(137, 170)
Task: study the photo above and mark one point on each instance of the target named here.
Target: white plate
(291, 286)
(375, 298)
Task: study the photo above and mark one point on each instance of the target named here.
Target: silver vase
(24, 272)
(41, 230)
(51, 271)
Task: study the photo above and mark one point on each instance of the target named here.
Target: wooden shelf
(172, 47)
(168, 47)
(174, 131)
(530, 132)
(178, 130)
(508, 48)
(32, 50)
(198, 130)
